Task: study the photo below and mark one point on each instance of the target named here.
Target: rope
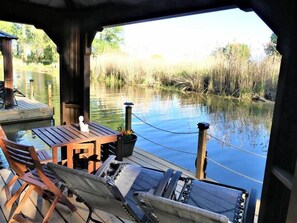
(235, 147)
(223, 142)
(233, 171)
(158, 144)
(164, 130)
(220, 165)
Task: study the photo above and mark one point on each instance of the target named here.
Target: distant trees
(110, 39)
(237, 51)
(270, 48)
(34, 46)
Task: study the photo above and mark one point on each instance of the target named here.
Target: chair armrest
(163, 183)
(105, 166)
(172, 185)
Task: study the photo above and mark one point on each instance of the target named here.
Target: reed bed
(218, 74)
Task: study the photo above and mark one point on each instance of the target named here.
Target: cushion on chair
(217, 198)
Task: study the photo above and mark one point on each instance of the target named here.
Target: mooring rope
(233, 171)
(220, 165)
(236, 147)
(177, 150)
(164, 130)
(221, 141)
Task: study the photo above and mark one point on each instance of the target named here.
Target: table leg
(119, 149)
(55, 154)
(98, 153)
(69, 156)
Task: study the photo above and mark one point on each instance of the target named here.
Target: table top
(55, 136)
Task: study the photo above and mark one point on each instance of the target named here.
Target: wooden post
(201, 150)
(8, 73)
(31, 88)
(128, 115)
(49, 91)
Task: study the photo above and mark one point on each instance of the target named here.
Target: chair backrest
(23, 158)
(215, 197)
(98, 192)
(2, 135)
(18, 156)
(160, 209)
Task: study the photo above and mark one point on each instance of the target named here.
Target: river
(238, 136)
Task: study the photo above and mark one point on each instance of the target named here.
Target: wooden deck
(26, 110)
(37, 207)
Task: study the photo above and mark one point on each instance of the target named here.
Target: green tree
(109, 39)
(40, 48)
(270, 48)
(33, 45)
(13, 29)
(237, 51)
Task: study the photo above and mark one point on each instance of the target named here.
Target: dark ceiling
(94, 14)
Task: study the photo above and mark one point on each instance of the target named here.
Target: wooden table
(67, 135)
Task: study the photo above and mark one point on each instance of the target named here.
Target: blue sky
(196, 36)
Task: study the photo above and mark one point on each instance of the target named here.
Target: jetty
(27, 110)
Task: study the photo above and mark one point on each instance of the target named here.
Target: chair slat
(26, 164)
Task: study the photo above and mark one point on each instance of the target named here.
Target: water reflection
(245, 125)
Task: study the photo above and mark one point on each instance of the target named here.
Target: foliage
(127, 134)
(235, 51)
(109, 39)
(33, 45)
(270, 48)
(220, 74)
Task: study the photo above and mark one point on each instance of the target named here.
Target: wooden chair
(24, 161)
(42, 154)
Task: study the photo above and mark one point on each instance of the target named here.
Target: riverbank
(219, 75)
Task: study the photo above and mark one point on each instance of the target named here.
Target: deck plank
(26, 110)
(146, 159)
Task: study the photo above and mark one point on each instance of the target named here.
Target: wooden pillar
(49, 95)
(31, 88)
(279, 188)
(8, 72)
(75, 50)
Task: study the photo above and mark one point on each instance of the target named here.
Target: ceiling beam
(108, 13)
(147, 10)
(28, 13)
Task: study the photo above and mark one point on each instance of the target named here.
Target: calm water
(244, 125)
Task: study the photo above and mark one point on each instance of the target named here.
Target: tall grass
(218, 74)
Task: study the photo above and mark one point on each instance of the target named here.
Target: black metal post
(128, 115)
